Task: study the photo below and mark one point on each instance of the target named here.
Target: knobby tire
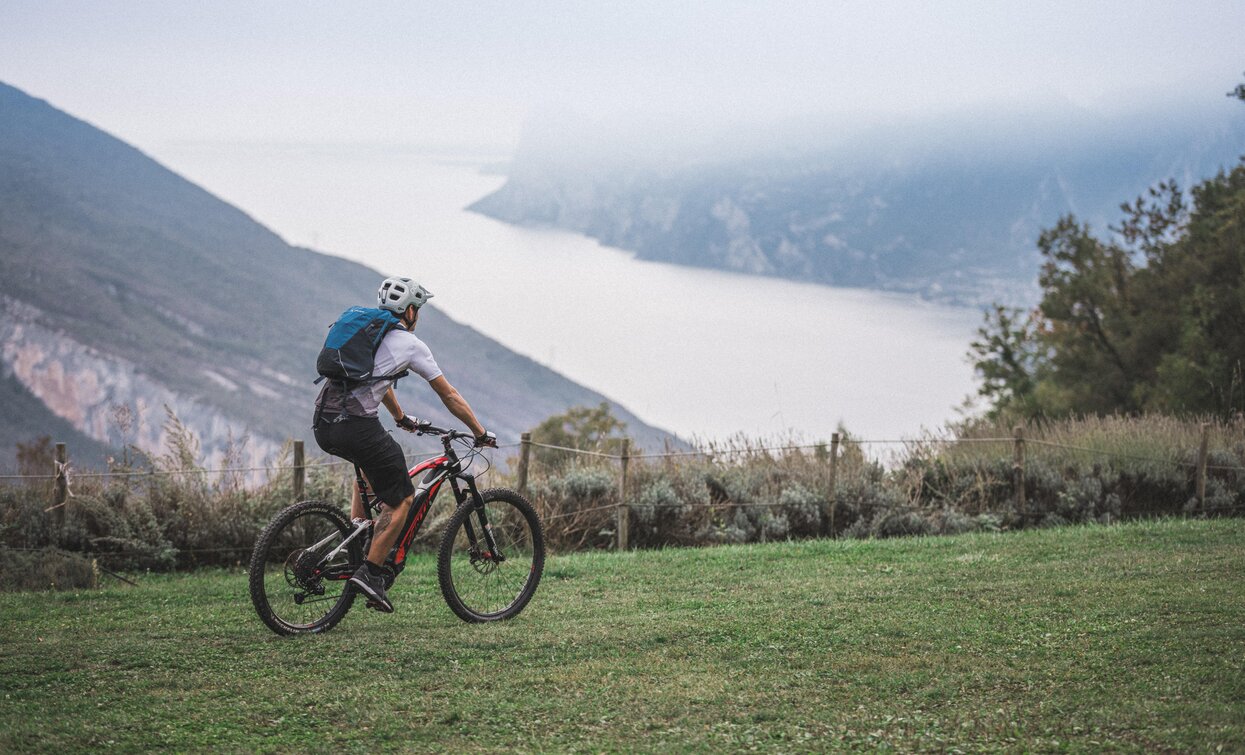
(281, 534)
(481, 590)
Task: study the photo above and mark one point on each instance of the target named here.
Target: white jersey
(401, 350)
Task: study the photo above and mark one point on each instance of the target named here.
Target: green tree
(1151, 320)
(1196, 289)
(1086, 324)
(1007, 360)
(580, 427)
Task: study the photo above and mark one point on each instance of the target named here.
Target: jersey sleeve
(419, 360)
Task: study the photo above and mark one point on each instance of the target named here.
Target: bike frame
(436, 472)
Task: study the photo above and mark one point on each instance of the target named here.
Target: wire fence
(1023, 451)
(705, 452)
(1043, 456)
(64, 470)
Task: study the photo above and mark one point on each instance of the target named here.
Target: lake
(698, 352)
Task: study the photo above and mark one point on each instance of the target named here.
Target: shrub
(171, 513)
(577, 506)
(952, 522)
(46, 569)
(802, 507)
(900, 524)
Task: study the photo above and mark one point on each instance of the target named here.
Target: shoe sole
(373, 600)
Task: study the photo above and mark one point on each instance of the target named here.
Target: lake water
(698, 352)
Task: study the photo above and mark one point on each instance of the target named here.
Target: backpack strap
(396, 376)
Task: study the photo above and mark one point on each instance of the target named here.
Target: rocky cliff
(126, 288)
(951, 213)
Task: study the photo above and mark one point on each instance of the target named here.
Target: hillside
(126, 288)
(950, 210)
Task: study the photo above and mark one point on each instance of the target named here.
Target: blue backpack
(349, 353)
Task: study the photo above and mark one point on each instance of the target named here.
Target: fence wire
(65, 472)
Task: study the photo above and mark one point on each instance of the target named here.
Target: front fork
(472, 493)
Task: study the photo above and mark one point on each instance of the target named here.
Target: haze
(160, 74)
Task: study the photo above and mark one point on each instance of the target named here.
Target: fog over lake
(698, 352)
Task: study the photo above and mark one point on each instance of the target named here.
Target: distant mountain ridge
(945, 212)
(125, 287)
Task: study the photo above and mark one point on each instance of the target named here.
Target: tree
(1239, 92)
(1087, 319)
(1151, 320)
(580, 427)
(1007, 359)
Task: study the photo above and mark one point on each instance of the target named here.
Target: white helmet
(396, 294)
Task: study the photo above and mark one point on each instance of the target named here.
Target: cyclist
(346, 425)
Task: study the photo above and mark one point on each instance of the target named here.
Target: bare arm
(391, 403)
(457, 405)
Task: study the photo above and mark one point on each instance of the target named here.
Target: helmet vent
(396, 294)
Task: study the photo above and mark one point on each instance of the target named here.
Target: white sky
(161, 73)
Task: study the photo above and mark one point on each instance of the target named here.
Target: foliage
(1238, 92)
(1081, 470)
(1149, 320)
(163, 512)
(157, 512)
(46, 569)
(576, 504)
(580, 427)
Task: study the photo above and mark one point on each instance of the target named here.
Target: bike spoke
(295, 583)
(487, 585)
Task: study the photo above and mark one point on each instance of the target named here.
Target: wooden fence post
(525, 454)
(622, 521)
(834, 476)
(62, 485)
(300, 470)
(1201, 466)
(1018, 470)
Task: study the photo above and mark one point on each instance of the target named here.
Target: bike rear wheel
(485, 583)
(296, 589)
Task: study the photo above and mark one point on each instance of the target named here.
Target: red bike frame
(436, 469)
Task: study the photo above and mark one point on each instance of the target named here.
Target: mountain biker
(346, 425)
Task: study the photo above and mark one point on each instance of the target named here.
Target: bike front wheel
(298, 573)
(491, 557)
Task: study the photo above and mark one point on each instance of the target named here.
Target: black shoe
(373, 586)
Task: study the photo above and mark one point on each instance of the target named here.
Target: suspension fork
(472, 494)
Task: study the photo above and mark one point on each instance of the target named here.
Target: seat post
(365, 493)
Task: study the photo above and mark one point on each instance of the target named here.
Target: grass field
(1128, 637)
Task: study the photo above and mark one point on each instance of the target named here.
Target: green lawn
(1129, 637)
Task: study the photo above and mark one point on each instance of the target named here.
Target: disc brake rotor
(483, 564)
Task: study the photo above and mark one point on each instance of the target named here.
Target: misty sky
(160, 73)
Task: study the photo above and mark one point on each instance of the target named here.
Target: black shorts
(364, 442)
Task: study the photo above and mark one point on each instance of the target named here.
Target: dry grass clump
(1095, 469)
(159, 512)
(166, 511)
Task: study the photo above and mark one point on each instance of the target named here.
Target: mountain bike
(489, 561)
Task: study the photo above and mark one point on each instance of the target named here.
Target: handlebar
(423, 427)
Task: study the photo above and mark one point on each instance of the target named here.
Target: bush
(900, 524)
(576, 505)
(802, 507)
(46, 569)
(174, 514)
(952, 522)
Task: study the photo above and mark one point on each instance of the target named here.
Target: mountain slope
(126, 286)
(948, 210)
